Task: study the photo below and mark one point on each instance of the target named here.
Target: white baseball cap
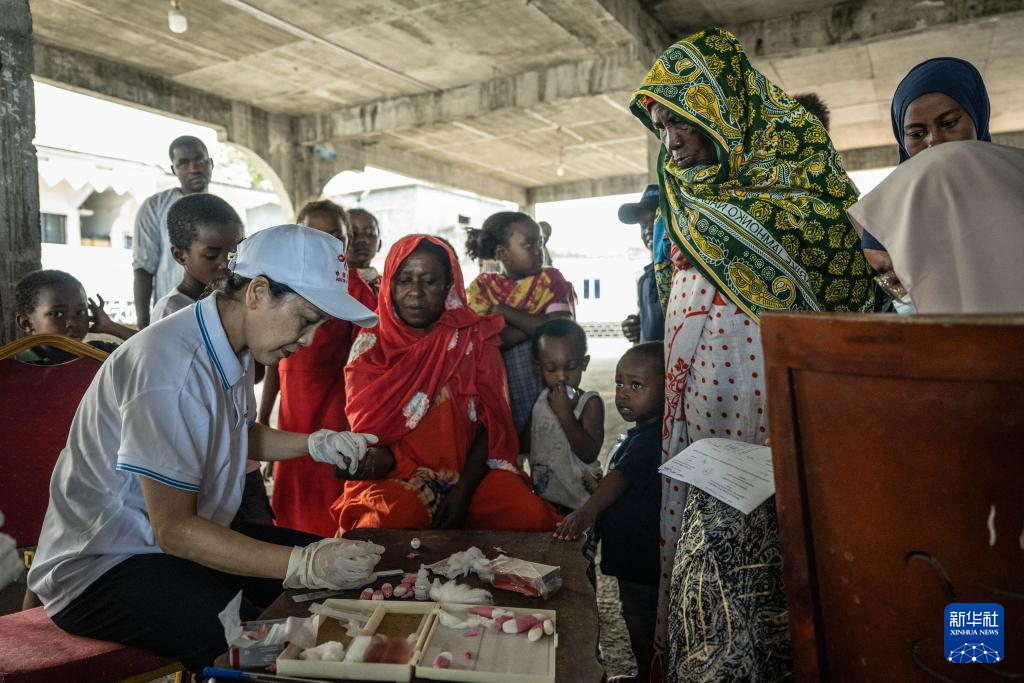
(310, 262)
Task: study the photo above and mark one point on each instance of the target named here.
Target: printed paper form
(738, 474)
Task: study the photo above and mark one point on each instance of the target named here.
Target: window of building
(54, 228)
(596, 288)
(98, 214)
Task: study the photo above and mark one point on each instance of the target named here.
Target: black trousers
(169, 605)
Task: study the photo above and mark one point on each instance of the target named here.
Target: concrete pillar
(19, 178)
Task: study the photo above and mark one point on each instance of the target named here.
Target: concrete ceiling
(511, 90)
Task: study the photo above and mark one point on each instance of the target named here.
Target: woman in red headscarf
(429, 382)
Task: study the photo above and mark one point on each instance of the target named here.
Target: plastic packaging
(522, 576)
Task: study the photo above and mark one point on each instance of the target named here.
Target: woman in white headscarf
(952, 221)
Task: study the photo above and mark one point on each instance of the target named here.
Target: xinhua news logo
(974, 633)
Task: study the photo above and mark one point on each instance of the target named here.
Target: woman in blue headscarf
(939, 100)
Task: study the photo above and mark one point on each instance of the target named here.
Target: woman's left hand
(452, 510)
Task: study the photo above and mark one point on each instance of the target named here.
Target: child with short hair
(204, 230)
(566, 428)
(626, 505)
(54, 302)
(325, 216)
(362, 244)
(526, 295)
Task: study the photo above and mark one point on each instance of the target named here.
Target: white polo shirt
(173, 403)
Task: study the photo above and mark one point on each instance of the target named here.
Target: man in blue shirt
(649, 324)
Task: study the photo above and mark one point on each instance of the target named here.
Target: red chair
(37, 404)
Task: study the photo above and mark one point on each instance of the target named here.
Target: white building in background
(414, 207)
(605, 286)
(88, 205)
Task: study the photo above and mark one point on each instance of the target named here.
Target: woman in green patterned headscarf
(754, 198)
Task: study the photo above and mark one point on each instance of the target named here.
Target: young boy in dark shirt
(625, 508)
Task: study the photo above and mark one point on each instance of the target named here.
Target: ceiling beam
(442, 173)
(303, 34)
(583, 189)
(815, 31)
(884, 156)
(600, 22)
(111, 80)
(649, 36)
(592, 77)
(859, 22)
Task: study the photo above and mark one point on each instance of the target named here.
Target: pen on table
(254, 677)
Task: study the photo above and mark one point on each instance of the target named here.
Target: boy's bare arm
(585, 435)
(143, 290)
(611, 488)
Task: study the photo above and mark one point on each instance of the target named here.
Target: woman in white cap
(136, 546)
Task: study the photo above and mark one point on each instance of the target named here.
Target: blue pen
(236, 675)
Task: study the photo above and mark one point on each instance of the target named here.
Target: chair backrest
(37, 404)
(898, 447)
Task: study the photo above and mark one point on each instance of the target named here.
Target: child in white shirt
(566, 428)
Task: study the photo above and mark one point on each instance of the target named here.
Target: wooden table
(575, 601)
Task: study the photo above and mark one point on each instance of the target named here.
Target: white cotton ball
(332, 651)
(459, 593)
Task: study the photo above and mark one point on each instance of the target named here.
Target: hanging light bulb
(560, 167)
(176, 20)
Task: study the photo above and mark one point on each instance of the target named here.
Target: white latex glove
(341, 449)
(334, 563)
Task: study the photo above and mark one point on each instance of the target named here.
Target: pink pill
(500, 622)
(378, 595)
(388, 590)
(443, 660)
(366, 594)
